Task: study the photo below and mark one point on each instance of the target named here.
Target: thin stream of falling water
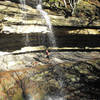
(51, 39)
(65, 3)
(24, 19)
(48, 23)
(50, 36)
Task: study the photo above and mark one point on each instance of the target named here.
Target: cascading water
(65, 3)
(24, 20)
(50, 36)
(48, 23)
(51, 40)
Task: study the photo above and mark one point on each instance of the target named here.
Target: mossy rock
(86, 9)
(18, 96)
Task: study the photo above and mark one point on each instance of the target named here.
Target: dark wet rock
(68, 81)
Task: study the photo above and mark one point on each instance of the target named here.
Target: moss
(18, 96)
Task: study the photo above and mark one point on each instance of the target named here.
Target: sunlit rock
(27, 49)
(24, 29)
(84, 31)
(15, 20)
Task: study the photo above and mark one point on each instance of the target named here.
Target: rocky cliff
(16, 20)
(16, 23)
(29, 74)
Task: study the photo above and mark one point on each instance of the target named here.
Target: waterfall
(65, 3)
(44, 15)
(24, 20)
(48, 23)
(52, 42)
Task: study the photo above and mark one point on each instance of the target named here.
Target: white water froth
(4, 53)
(54, 98)
(47, 98)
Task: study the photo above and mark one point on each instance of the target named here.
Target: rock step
(13, 42)
(45, 80)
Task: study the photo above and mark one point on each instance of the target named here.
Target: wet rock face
(64, 81)
(73, 79)
(15, 23)
(27, 57)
